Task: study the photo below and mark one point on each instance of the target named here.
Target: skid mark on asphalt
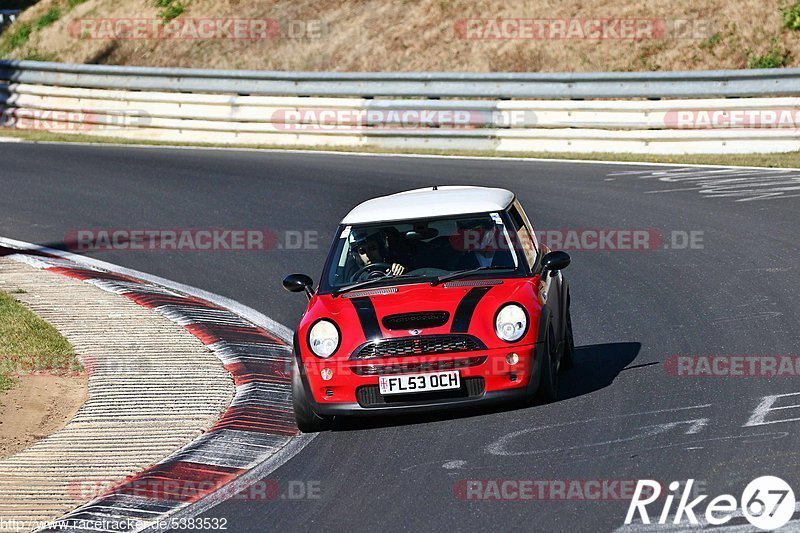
(690, 445)
(764, 315)
(744, 185)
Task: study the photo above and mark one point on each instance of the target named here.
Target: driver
(367, 250)
(479, 242)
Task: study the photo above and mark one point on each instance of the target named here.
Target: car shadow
(58, 245)
(596, 367)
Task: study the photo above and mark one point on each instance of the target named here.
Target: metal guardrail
(690, 84)
(7, 17)
(453, 111)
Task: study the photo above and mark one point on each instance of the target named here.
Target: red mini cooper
(433, 298)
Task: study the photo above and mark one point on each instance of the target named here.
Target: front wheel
(568, 357)
(307, 420)
(548, 381)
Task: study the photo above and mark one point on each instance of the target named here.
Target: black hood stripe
(369, 320)
(466, 307)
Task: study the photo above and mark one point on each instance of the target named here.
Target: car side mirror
(554, 261)
(298, 283)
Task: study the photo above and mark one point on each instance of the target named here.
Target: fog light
(328, 392)
(512, 359)
(326, 374)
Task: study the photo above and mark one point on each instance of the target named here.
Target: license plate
(430, 381)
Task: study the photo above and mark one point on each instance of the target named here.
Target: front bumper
(488, 398)
(493, 381)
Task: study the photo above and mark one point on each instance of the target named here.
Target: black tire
(307, 420)
(568, 357)
(548, 382)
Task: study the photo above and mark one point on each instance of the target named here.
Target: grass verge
(779, 160)
(29, 344)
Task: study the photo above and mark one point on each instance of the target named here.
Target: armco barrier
(7, 16)
(448, 111)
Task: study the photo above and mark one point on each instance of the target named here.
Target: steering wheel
(376, 270)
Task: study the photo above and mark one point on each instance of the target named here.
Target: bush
(791, 16)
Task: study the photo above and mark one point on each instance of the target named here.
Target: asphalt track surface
(621, 415)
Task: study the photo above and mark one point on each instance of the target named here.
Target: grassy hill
(437, 35)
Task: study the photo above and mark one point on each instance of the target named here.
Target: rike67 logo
(767, 502)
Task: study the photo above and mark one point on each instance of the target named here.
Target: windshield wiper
(469, 272)
(368, 282)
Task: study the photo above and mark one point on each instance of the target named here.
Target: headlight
(323, 339)
(511, 323)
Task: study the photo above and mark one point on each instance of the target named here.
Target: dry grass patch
(382, 35)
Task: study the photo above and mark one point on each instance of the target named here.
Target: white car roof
(430, 202)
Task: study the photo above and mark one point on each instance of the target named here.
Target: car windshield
(424, 248)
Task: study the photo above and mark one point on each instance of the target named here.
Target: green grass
(29, 344)
(36, 55)
(169, 9)
(6, 382)
(780, 160)
(74, 3)
(775, 57)
(16, 36)
(711, 41)
(52, 15)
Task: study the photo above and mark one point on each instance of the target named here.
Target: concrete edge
(211, 447)
(142, 403)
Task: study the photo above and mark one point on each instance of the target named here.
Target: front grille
(370, 395)
(422, 366)
(428, 319)
(419, 345)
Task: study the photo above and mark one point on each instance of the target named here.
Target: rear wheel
(548, 382)
(307, 420)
